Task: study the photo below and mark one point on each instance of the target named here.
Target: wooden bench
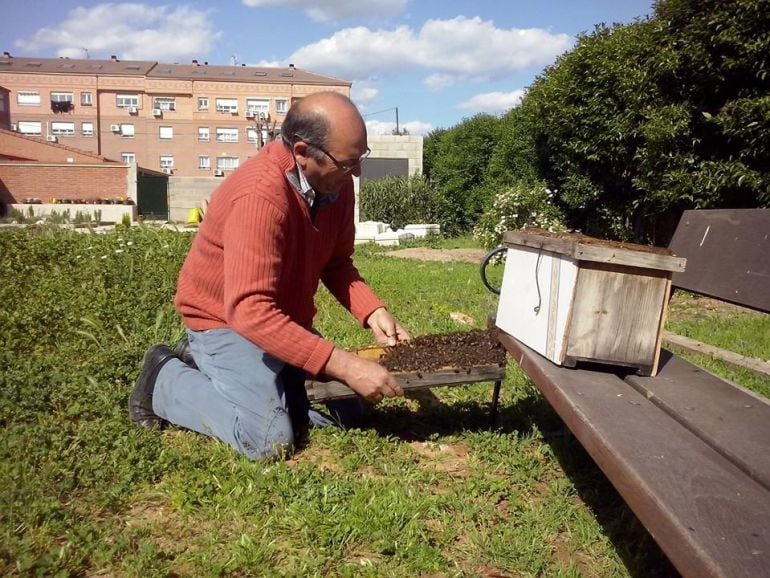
(687, 451)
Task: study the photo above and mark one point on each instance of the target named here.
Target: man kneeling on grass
(275, 228)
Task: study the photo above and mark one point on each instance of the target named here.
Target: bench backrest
(728, 255)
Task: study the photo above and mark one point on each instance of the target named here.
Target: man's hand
(386, 329)
(367, 378)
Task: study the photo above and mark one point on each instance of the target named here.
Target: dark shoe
(182, 349)
(140, 402)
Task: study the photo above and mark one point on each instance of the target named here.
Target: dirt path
(445, 255)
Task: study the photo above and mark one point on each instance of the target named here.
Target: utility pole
(398, 131)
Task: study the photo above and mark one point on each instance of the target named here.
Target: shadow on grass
(532, 415)
(640, 553)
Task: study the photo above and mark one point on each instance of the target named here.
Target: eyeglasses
(346, 166)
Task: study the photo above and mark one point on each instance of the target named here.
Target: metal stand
(495, 403)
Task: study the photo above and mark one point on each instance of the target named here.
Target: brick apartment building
(189, 120)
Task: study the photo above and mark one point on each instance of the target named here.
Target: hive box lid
(584, 248)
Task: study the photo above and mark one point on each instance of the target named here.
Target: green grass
(725, 326)
(423, 489)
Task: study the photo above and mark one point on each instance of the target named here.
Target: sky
(429, 63)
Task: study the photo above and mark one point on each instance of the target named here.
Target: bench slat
(732, 420)
(707, 515)
(727, 255)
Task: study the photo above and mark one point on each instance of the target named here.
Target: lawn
(425, 488)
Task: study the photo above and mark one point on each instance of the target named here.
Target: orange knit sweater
(257, 259)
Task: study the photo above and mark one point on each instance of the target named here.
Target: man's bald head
(321, 117)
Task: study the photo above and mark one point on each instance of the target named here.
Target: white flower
(130, 243)
(104, 256)
(118, 250)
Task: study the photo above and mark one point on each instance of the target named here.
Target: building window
(166, 162)
(63, 128)
(87, 129)
(127, 101)
(127, 130)
(203, 134)
(164, 103)
(227, 163)
(166, 132)
(86, 99)
(29, 127)
(257, 107)
(227, 105)
(61, 102)
(61, 97)
(204, 163)
(227, 135)
(203, 103)
(128, 158)
(281, 106)
(28, 98)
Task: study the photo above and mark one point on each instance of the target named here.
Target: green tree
(633, 125)
(707, 137)
(581, 118)
(457, 165)
(430, 150)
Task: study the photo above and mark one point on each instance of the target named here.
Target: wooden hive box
(575, 298)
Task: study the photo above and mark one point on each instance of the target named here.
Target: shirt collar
(298, 179)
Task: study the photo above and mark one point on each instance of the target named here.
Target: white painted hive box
(573, 298)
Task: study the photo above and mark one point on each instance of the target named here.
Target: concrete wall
(386, 146)
(185, 193)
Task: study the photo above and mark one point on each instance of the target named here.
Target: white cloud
(440, 81)
(415, 127)
(336, 10)
(451, 50)
(492, 102)
(131, 31)
(418, 127)
(363, 95)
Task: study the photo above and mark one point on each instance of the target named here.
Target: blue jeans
(242, 395)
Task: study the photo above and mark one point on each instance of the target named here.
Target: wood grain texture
(409, 381)
(727, 253)
(732, 420)
(616, 315)
(595, 251)
(708, 516)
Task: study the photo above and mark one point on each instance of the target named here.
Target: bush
(399, 201)
(520, 206)
(456, 161)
